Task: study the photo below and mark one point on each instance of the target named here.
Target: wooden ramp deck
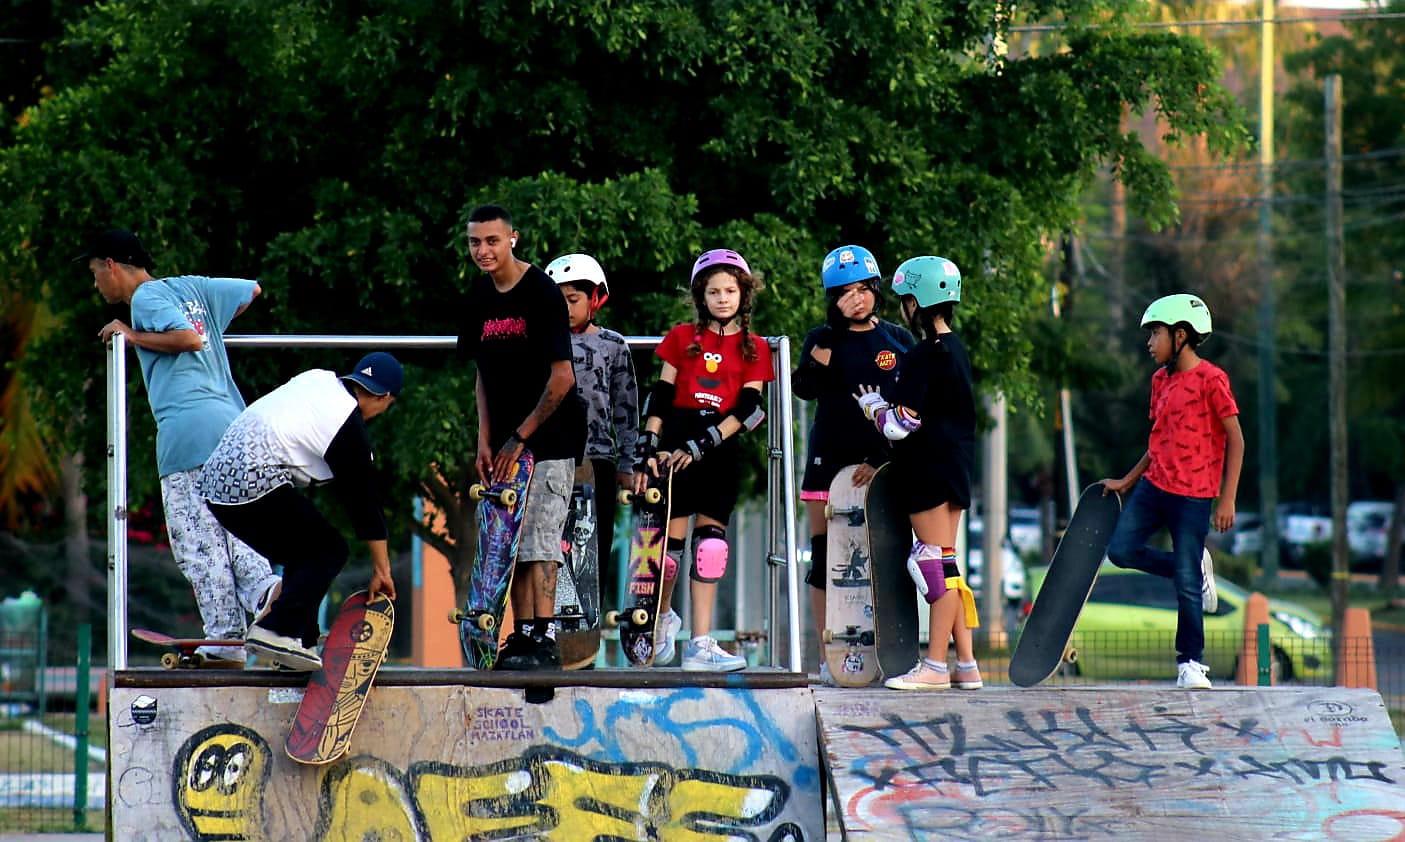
(1113, 762)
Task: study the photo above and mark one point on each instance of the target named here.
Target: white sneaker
(826, 677)
(1193, 675)
(702, 654)
(926, 675)
(1209, 594)
(287, 652)
(665, 637)
(222, 656)
(266, 601)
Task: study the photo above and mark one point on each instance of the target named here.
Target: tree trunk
(75, 532)
(1390, 569)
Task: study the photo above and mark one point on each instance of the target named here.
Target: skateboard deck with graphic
(849, 648)
(336, 694)
(1072, 572)
(578, 585)
(647, 545)
(500, 507)
(182, 652)
(895, 628)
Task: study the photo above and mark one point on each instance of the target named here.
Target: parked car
(1299, 526)
(1013, 584)
(1244, 538)
(1128, 626)
(1026, 531)
(1367, 528)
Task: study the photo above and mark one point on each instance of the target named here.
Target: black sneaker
(548, 653)
(518, 652)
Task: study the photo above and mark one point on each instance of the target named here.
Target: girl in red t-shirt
(708, 392)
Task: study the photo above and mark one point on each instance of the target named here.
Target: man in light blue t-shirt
(177, 329)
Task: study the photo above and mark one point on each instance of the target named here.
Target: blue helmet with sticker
(848, 264)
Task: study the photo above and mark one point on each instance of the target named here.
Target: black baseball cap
(120, 245)
(378, 373)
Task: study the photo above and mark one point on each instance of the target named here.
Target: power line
(1293, 163)
(1369, 16)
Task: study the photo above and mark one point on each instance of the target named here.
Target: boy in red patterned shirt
(1194, 455)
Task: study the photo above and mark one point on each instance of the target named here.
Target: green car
(1127, 631)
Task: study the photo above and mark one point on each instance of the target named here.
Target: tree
(1370, 57)
(333, 148)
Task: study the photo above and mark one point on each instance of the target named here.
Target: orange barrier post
(434, 640)
(1255, 612)
(1357, 667)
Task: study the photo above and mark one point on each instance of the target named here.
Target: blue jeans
(1188, 520)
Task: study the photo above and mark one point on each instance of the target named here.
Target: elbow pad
(747, 410)
(659, 400)
(898, 422)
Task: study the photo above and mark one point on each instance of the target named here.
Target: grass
(21, 751)
(46, 820)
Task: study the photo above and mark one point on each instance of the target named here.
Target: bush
(1317, 562)
(1239, 569)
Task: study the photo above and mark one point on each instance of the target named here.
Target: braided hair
(748, 285)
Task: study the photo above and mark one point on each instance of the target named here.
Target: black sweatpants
(285, 528)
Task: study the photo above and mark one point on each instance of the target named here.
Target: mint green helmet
(1171, 310)
(931, 280)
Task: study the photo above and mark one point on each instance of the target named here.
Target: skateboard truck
(479, 491)
(574, 616)
(850, 634)
(639, 617)
(482, 619)
(650, 495)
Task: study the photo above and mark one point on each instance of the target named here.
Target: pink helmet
(718, 257)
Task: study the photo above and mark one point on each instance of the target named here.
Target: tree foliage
(332, 149)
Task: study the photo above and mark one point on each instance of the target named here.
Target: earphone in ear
(512, 242)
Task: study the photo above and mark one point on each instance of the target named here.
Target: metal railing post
(80, 729)
(117, 503)
(788, 503)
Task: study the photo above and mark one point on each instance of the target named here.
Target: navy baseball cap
(378, 373)
(119, 244)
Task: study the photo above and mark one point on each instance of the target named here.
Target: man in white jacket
(310, 430)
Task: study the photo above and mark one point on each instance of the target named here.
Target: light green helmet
(1171, 310)
(931, 280)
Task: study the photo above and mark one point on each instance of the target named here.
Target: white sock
(964, 667)
(936, 665)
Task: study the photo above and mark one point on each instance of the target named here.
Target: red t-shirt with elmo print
(1187, 444)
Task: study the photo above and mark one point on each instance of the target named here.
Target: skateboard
(647, 546)
(336, 693)
(500, 508)
(849, 647)
(182, 651)
(578, 586)
(1072, 572)
(895, 629)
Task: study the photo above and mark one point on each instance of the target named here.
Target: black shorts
(819, 475)
(707, 487)
(924, 486)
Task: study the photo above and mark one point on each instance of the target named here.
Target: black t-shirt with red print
(713, 379)
(515, 336)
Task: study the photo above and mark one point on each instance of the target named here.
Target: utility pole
(1336, 357)
(1268, 316)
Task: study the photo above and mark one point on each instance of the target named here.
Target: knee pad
(710, 551)
(673, 556)
(927, 571)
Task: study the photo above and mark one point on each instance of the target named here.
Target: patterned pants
(228, 577)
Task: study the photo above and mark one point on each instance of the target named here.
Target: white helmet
(570, 268)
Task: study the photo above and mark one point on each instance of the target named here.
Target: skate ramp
(670, 761)
(1113, 763)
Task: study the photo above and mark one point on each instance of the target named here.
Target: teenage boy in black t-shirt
(514, 324)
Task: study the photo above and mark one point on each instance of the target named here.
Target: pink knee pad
(712, 560)
(670, 565)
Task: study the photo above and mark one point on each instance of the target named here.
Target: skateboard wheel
(456, 616)
(486, 622)
(827, 636)
(639, 617)
(475, 491)
(828, 511)
(612, 619)
(170, 660)
(625, 497)
(653, 495)
(508, 497)
(1071, 656)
